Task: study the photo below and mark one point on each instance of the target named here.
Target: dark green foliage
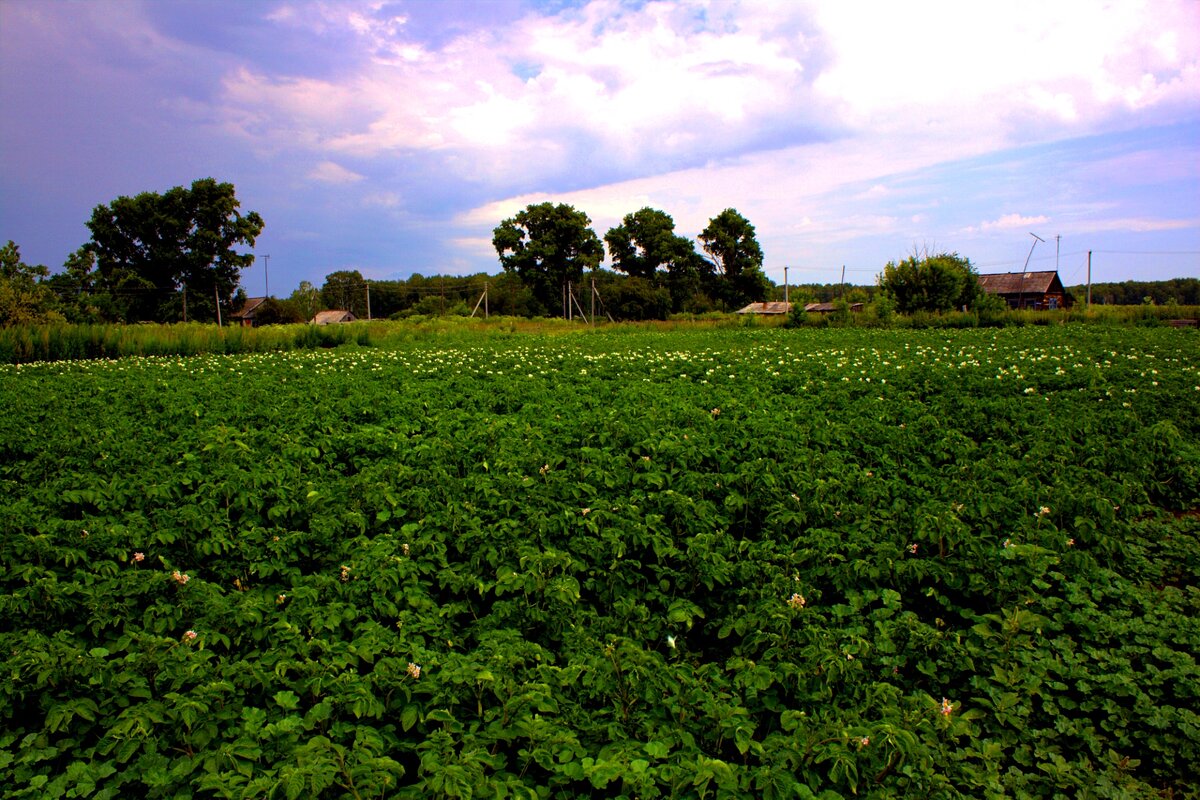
(730, 240)
(738, 563)
(24, 297)
(548, 246)
(940, 282)
(151, 246)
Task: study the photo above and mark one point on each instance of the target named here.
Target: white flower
(670, 641)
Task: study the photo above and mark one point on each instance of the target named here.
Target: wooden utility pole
(368, 301)
(1089, 302)
(266, 276)
(185, 302)
(217, 297)
(593, 301)
(485, 300)
(843, 289)
(785, 286)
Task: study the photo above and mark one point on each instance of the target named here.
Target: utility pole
(485, 300)
(1089, 303)
(185, 302)
(217, 298)
(593, 301)
(368, 300)
(266, 275)
(785, 286)
(843, 289)
(1057, 245)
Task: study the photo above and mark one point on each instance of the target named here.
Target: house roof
(772, 307)
(1018, 282)
(247, 309)
(326, 317)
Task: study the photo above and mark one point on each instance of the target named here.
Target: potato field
(755, 563)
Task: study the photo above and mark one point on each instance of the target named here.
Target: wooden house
(1032, 290)
(245, 315)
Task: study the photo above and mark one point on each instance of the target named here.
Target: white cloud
(609, 89)
(382, 200)
(329, 172)
(1009, 221)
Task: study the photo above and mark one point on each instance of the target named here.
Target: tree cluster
(152, 257)
(550, 246)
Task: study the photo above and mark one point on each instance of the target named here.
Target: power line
(1150, 252)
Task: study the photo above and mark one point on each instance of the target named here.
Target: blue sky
(392, 137)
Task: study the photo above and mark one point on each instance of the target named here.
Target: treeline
(1175, 292)
(604, 292)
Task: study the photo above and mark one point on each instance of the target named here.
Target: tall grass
(27, 343)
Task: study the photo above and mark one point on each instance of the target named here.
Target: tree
(547, 245)
(306, 300)
(345, 290)
(646, 242)
(150, 246)
(278, 312)
(730, 240)
(924, 282)
(24, 296)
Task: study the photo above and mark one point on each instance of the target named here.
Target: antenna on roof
(1038, 239)
(1025, 271)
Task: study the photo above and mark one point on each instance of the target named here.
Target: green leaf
(287, 700)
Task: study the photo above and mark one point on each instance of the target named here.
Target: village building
(775, 308)
(332, 317)
(1031, 290)
(244, 316)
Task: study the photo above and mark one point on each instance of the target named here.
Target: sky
(393, 137)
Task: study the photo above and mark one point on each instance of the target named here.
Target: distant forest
(1177, 291)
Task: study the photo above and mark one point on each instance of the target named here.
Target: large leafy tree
(150, 246)
(646, 242)
(547, 245)
(730, 240)
(924, 282)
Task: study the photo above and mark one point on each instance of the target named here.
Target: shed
(765, 307)
(827, 308)
(245, 314)
(330, 317)
(1032, 290)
